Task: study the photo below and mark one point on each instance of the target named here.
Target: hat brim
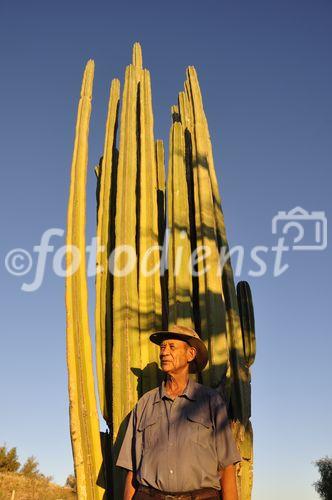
(201, 359)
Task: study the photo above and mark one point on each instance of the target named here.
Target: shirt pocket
(148, 428)
(200, 428)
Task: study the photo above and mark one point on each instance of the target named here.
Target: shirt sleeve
(227, 451)
(126, 455)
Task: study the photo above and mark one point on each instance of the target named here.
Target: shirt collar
(189, 392)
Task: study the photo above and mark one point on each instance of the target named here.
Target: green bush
(30, 468)
(8, 460)
(324, 485)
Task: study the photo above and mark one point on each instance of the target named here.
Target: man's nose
(164, 350)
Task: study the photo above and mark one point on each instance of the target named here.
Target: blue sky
(266, 78)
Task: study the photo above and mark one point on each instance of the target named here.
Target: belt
(203, 493)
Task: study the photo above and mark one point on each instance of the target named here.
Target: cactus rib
(84, 423)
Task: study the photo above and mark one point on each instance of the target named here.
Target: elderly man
(178, 442)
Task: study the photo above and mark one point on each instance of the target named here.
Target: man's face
(175, 355)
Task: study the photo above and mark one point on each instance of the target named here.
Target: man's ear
(191, 352)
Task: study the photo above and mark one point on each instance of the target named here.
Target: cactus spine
(84, 426)
(131, 225)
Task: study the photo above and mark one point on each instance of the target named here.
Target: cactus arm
(214, 322)
(160, 161)
(233, 327)
(170, 261)
(126, 347)
(196, 235)
(104, 231)
(137, 56)
(179, 249)
(247, 321)
(84, 423)
(161, 202)
(243, 430)
(149, 288)
(234, 334)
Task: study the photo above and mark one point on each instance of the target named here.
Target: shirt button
(171, 471)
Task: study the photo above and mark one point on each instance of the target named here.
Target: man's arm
(129, 490)
(228, 483)
(126, 459)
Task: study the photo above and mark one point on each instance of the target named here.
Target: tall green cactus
(196, 290)
(84, 425)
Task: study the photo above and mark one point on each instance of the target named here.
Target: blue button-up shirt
(179, 445)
